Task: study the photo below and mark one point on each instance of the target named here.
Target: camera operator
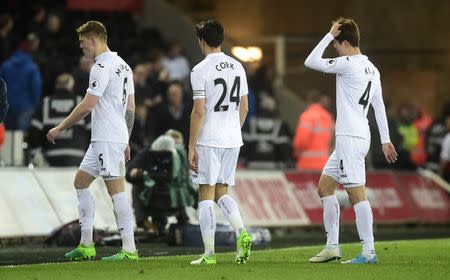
(161, 183)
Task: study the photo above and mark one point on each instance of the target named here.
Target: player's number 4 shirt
(357, 86)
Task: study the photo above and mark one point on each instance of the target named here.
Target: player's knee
(356, 196)
(325, 191)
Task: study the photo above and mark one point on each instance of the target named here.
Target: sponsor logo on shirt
(94, 84)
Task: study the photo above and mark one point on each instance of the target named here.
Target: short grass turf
(412, 259)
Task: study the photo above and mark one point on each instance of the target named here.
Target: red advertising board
(267, 199)
(393, 200)
(305, 190)
(275, 198)
(431, 203)
(389, 203)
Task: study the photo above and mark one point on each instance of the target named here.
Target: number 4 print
(364, 100)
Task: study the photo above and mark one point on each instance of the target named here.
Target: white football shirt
(221, 80)
(112, 80)
(357, 86)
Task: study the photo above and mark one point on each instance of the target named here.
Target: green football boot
(122, 256)
(81, 253)
(205, 260)
(243, 244)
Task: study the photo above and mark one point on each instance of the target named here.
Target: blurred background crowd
(47, 76)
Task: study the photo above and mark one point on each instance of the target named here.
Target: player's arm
(129, 115)
(380, 115)
(243, 109)
(197, 115)
(315, 60)
(197, 119)
(79, 112)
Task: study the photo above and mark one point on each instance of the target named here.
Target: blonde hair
(94, 28)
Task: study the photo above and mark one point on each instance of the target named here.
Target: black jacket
(71, 145)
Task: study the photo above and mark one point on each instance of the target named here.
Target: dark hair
(211, 31)
(349, 31)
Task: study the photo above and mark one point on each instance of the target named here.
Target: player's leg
(328, 184)
(231, 212)
(229, 206)
(208, 168)
(86, 207)
(111, 158)
(124, 218)
(356, 178)
(207, 221)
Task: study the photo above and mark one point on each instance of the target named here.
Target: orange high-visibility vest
(313, 136)
(418, 153)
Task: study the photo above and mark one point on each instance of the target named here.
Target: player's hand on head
(193, 159)
(389, 152)
(335, 31)
(53, 134)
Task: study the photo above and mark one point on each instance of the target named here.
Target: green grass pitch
(412, 259)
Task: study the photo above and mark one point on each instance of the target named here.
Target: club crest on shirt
(331, 61)
(94, 84)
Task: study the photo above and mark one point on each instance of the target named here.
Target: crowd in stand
(46, 74)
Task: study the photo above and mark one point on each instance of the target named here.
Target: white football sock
(86, 210)
(124, 220)
(331, 215)
(231, 211)
(364, 224)
(207, 220)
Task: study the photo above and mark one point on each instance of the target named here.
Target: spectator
(444, 170)
(161, 183)
(158, 78)
(267, 139)
(422, 121)
(176, 64)
(52, 46)
(6, 25)
(24, 81)
(434, 139)
(314, 134)
(81, 75)
(145, 95)
(409, 137)
(37, 22)
(260, 79)
(70, 147)
(174, 114)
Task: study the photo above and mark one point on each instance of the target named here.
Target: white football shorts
(216, 165)
(347, 162)
(105, 159)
